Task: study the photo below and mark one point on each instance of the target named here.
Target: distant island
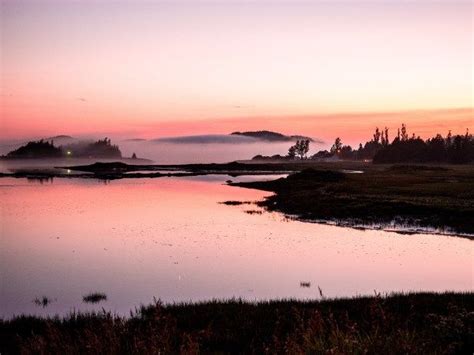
(45, 149)
(247, 137)
(61, 136)
(272, 136)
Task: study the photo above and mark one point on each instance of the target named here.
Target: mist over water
(183, 153)
(185, 150)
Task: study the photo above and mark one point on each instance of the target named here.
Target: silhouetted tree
(336, 147)
(449, 139)
(302, 148)
(377, 135)
(346, 152)
(404, 133)
(385, 140)
(457, 149)
(291, 152)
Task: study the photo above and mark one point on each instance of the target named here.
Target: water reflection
(40, 179)
(170, 238)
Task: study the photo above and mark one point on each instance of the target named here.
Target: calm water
(169, 238)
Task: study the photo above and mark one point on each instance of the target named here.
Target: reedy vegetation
(409, 324)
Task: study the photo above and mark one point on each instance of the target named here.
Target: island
(46, 149)
(271, 136)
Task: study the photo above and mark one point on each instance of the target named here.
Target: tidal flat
(407, 197)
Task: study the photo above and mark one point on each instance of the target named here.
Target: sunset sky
(150, 69)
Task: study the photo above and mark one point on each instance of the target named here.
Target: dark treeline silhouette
(297, 151)
(100, 149)
(46, 149)
(455, 149)
(39, 149)
(458, 149)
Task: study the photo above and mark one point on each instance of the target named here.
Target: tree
(291, 152)
(336, 147)
(346, 152)
(385, 141)
(449, 139)
(302, 148)
(377, 135)
(404, 133)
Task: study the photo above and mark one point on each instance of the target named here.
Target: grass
(439, 197)
(94, 297)
(397, 324)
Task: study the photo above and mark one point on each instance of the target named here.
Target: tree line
(103, 148)
(404, 148)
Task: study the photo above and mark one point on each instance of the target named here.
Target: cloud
(207, 139)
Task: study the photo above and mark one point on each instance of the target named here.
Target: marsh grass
(94, 297)
(409, 196)
(421, 323)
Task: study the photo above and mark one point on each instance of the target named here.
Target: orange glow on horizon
(351, 127)
(158, 69)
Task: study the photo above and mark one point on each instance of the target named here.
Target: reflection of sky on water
(169, 238)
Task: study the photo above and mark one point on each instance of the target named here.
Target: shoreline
(407, 197)
(393, 228)
(396, 198)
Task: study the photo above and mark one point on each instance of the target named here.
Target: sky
(151, 69)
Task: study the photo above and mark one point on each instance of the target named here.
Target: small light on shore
(68, 152)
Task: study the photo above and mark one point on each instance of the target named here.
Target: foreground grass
(426, 196)
(414, 323)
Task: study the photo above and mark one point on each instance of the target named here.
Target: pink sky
(151, 69)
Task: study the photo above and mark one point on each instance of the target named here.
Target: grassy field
(398, 324)
(413, 195)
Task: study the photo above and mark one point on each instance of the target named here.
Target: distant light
(68, 171)
(68, 152)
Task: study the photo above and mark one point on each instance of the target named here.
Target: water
(169, 238)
